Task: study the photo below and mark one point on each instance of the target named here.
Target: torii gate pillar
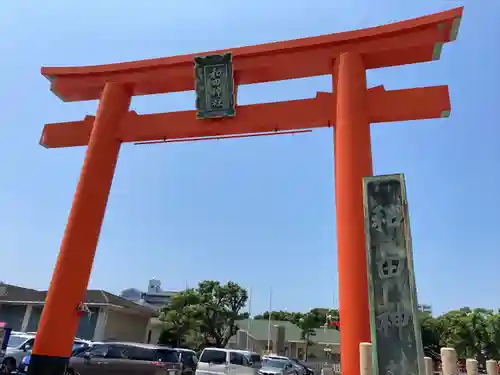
(74, 264)
(353, 161)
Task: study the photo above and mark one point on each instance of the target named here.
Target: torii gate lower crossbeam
(350, 109)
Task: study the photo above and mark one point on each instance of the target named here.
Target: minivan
(218, 361)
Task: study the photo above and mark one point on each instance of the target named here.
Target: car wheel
(10, 364)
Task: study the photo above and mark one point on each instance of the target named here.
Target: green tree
(318, 317)
(179, 318)
(307, 323)
(218, 309)
(280, 315)
(431, 333)
(493, 329)
(170, 338)
(334, 315)
(207, 313)
(467, 330)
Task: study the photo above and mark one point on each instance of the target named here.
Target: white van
(217, 361)
(19, 345)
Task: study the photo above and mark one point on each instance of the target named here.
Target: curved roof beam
(406, 42)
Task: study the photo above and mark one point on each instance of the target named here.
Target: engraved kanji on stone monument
(214, 86)
(396, 335)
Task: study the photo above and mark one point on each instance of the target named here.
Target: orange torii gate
(350, 109)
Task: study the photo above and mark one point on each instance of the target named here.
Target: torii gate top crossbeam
(406, 42)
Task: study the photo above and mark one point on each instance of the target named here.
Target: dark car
(78, 346)
(125, 358)
(308, 370)
(188, 359)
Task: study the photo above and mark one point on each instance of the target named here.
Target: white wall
(125, 327)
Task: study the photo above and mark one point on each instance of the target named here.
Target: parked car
(218, 361)
(79, 345)
(275, 366)
(299, 368)
(19, 344)
(275, 356)
(125, 358)
(188, 359)
(307, 370)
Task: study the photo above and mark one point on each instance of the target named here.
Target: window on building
(300, 353)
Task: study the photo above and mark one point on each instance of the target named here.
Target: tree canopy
(204, 315)
(316, 317)
(474, 333)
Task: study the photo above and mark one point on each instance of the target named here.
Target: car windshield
(274, 363)
(15, 341)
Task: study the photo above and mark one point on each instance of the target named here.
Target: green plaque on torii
(214, 86)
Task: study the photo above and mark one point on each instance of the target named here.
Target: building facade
(424, 308)
(155, 297)
(254, 335)
(109, 317)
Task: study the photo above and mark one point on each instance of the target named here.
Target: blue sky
(256, 211)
